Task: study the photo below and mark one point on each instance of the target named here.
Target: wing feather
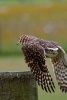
(35, 58)
(60, 72)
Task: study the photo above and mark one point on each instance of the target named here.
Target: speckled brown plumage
(35, 51)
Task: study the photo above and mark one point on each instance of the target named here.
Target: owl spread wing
(35, 58)
(60, 69)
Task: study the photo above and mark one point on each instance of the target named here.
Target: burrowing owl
(35, 51)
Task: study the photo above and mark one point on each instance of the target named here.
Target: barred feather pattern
(35, 51)
(34, 56)
(60, 72)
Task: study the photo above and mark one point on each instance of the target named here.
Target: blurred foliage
(31, 1)
(46, 21)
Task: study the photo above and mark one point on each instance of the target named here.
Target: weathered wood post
(17, 86)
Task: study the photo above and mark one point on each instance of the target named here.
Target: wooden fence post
(17, 86)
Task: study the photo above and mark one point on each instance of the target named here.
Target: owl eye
(51, 51)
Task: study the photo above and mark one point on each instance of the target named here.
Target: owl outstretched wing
(36, 59)
(60, 69)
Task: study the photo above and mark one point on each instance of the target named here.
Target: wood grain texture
(17, 86)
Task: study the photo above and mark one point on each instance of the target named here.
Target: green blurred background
(45, 19)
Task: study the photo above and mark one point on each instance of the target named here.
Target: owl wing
(60, 68)
(35, 58)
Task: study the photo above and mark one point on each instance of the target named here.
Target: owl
(36, 51)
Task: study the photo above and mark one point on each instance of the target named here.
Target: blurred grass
(18, 64)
